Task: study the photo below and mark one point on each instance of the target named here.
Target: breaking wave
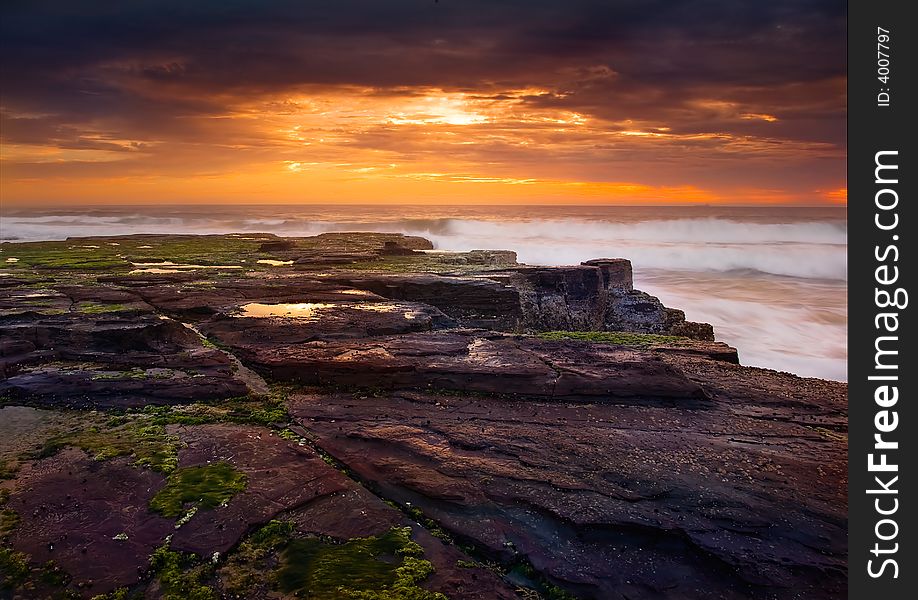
(813, 250)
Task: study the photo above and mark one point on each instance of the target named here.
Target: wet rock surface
(89, 517)
(124, 357)
(472, 362)
(472, 301)
(285, 324)
(614, 500)
(194, 411)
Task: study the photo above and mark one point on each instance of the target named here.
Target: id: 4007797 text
(883, 55)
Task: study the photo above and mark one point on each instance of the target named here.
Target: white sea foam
(788, 324)
(709, 244)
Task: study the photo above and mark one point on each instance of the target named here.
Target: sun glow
(436, 109)
(358, 144)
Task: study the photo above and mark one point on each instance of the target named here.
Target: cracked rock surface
(250, 416)
(611, 499)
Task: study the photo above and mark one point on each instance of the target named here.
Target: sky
(423, 101)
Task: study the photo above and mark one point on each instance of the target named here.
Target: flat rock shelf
(359, 415)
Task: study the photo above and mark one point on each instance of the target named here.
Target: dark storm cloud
(81, 57)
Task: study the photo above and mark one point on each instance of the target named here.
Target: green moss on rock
(148, 443)
(52, 575)
(191, 249)
(181, 576)
(95, 308)
(384, 567)
(8, 469)
(265, 410)
(9, 521)
(121, 593)
(62, 255)
(204, 487)
(14, 568)
(254, 562)
(621, 338)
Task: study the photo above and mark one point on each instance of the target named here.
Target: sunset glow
(447, 111)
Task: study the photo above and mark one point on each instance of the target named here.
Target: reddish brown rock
(472, 301)
(646, 501)
(90, 517)
(665, 471)
(280, 476)
(393, 248)
(291, 482)
(470, 361)
(616, 272)
(290, 324)
(276, 246)
(111, 359)
(367, 241)
(714, 350)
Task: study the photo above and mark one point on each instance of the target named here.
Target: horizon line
(424, 204)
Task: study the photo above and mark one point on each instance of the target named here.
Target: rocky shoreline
(444, 424)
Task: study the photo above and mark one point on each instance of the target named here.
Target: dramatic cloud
(424, 101)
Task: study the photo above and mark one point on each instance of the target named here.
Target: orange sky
(154, 124)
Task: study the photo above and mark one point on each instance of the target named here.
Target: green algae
(95, 308)
(62, 255)
(389, 566)
(9, 518)
(271, 536)
(26, 580)
(147, 443)
(9, 521)
(289, 435)
(467, 564)
(181, 576)
(419, 263)
(118, 253)
(8, 470)
(835, 436)
(392, 264)
(191, 249)
(266, 410)
(14, 568)
(204, 487)
(51, 574)
(429, 524)
(547, 590)
(385, 567)
(135, 373)
(254, 561)
(121, 593)
(620, 338)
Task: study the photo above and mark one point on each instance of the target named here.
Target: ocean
(772, 280)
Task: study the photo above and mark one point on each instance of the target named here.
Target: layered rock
(566, 298)
(501, 412)
(532, 299)
(471, 301)
(465, 361)
(617, 274)
(119, 358)
(91, 517)
(641, 501)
